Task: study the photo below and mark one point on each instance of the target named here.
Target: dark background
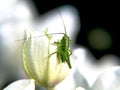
(92, 14)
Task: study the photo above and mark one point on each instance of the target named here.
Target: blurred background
(96, 29)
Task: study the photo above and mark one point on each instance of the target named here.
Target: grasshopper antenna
(62, 21)
(25, 36)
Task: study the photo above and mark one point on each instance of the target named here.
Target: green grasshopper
(63, 45)
(63, 51)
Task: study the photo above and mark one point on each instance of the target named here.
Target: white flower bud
(41, 63)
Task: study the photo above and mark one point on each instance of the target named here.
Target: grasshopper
(63, 47)
(63, 51)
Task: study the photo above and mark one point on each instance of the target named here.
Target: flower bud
(41, 62)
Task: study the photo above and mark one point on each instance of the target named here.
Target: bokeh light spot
(99, 39)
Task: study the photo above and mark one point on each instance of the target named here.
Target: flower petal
(108, 80)
(80, 88)
(26, 84)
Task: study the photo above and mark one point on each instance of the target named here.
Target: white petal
(80, 88)
(26, 84)
(108, 80)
